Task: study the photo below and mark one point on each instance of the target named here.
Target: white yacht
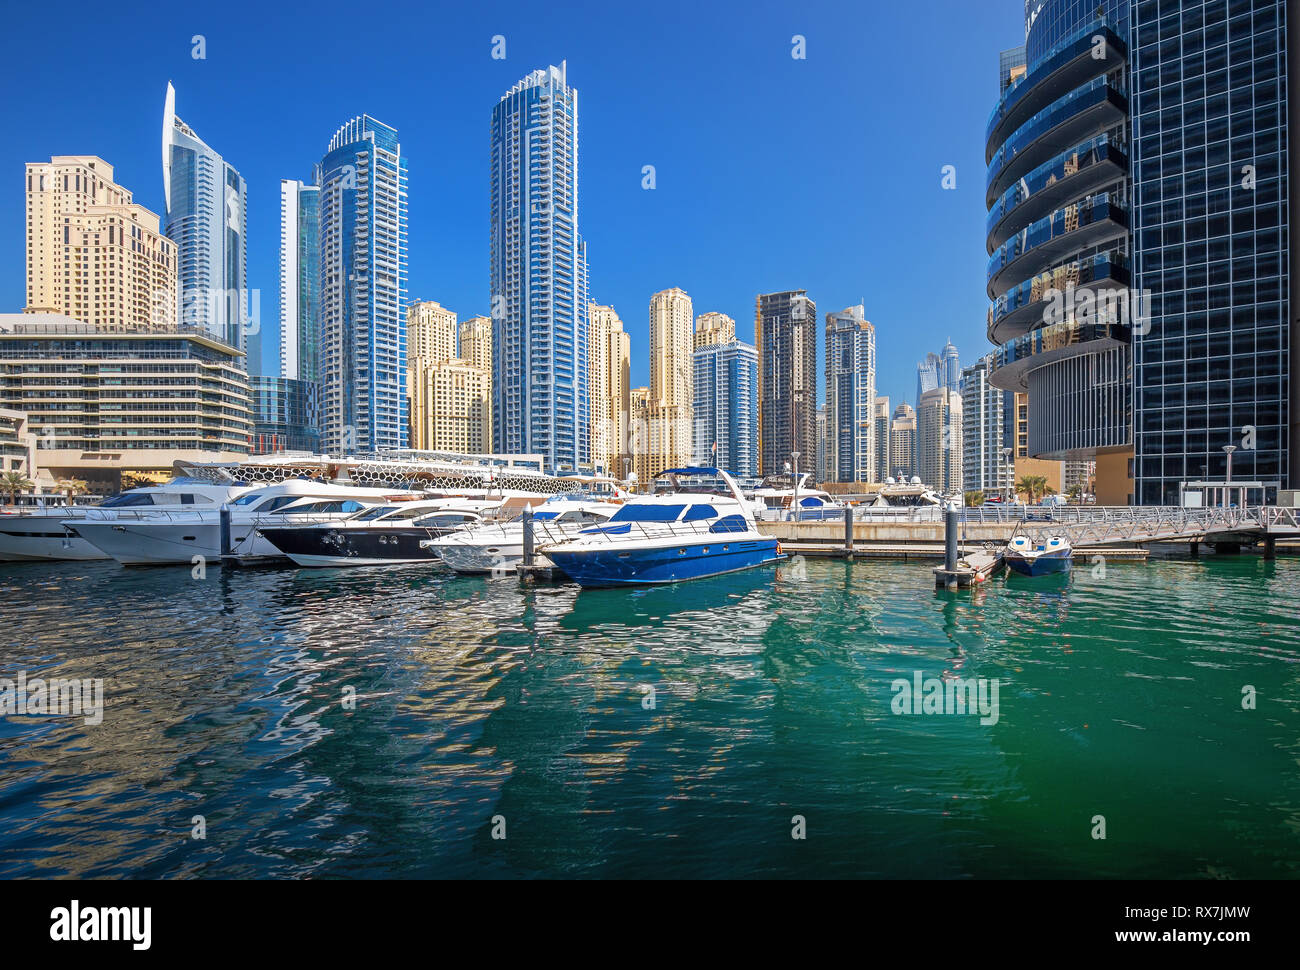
(779, 498)
(159, 536)
(45, 534)
(501, 545)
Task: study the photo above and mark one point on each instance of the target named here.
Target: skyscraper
(850, 396)
(538, 274)
(939, 440)
(880, 420)
(362, 181)
(299, 281)
(714, 328)
(1141, 244)
(431, 331)
(988, 425)
(92, 253)
(610, 375)
(902, 442)
(670, 431)
(726, 407)
(206, 217)
(785, 336)
(927, 374)
(950, 368)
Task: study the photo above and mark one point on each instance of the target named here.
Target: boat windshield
(248, 499)
(127, 500)
(374, 513)
(636, 512)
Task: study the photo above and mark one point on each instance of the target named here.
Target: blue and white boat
(683, 532)
(1038, 559)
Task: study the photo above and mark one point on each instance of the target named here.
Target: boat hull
(145, 543)
(42, 540)
(1043, 565)
(331, 547)
(621, 564)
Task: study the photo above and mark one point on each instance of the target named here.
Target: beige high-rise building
(476, 344)
(92, 253)
(714, 328)
(450, 406)
(670, 418)
(430, 332)
(939, 440)
(609, 368)
(902, 443)
(638, 434)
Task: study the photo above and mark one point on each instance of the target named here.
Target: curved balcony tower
(1058, 196)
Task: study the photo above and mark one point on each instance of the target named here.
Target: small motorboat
(684, 532)
(1038, 559)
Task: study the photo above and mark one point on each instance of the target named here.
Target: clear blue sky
(772, 173)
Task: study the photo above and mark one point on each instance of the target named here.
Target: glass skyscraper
(299, 281)
(726, 407)
(206, 217)
(1139, 241)
(284, 415)
(538, 275)
(850, 396)
(362, 185)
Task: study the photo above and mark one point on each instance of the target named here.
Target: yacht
(47, 534)
(1030, 558)
(378, 536)
(781, 498)
(148, 536)
(683, 532)
(496, 546)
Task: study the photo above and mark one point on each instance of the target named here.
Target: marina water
(684, 731)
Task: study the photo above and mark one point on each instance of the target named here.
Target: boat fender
(778, 547)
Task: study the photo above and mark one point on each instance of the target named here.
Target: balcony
(1089, 110)
(1085, 168)
(1069, 64)
(1066, 231)
(1012, 362)
(1021, 308)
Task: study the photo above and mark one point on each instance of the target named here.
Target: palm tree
(72, 487)
(974, 499)
(1033, 486)
(1074, 493)
(15, 482)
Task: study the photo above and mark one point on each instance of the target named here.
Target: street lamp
(1006, 460)
(1227, 478)
(795, 455)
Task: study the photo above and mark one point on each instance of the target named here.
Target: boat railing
(549, 533)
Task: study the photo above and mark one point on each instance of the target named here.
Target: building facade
(902, 443)
(726, 407)
(785, 336)
(449, 406)
(363, 256)
(94, 255)
(431, 331)
(538, 274)
(670, 432)
(939, 440)
(850, 396)
(714, 328)
(300, 344)
(207, 216)
(101, 402)
(880, 423)
(609, 372)
(988, 416)
(285, 415)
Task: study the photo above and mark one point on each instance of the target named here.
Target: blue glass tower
(538, 275)
(362, 184)
(206, 217)
(726, 407)
(850, 396)
(299, 281)
(1144, 153)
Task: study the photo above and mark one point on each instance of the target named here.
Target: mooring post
(528, 537)
(848, 531)
(950, 538)
(227, 547)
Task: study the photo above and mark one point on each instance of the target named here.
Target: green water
(1118, 696)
